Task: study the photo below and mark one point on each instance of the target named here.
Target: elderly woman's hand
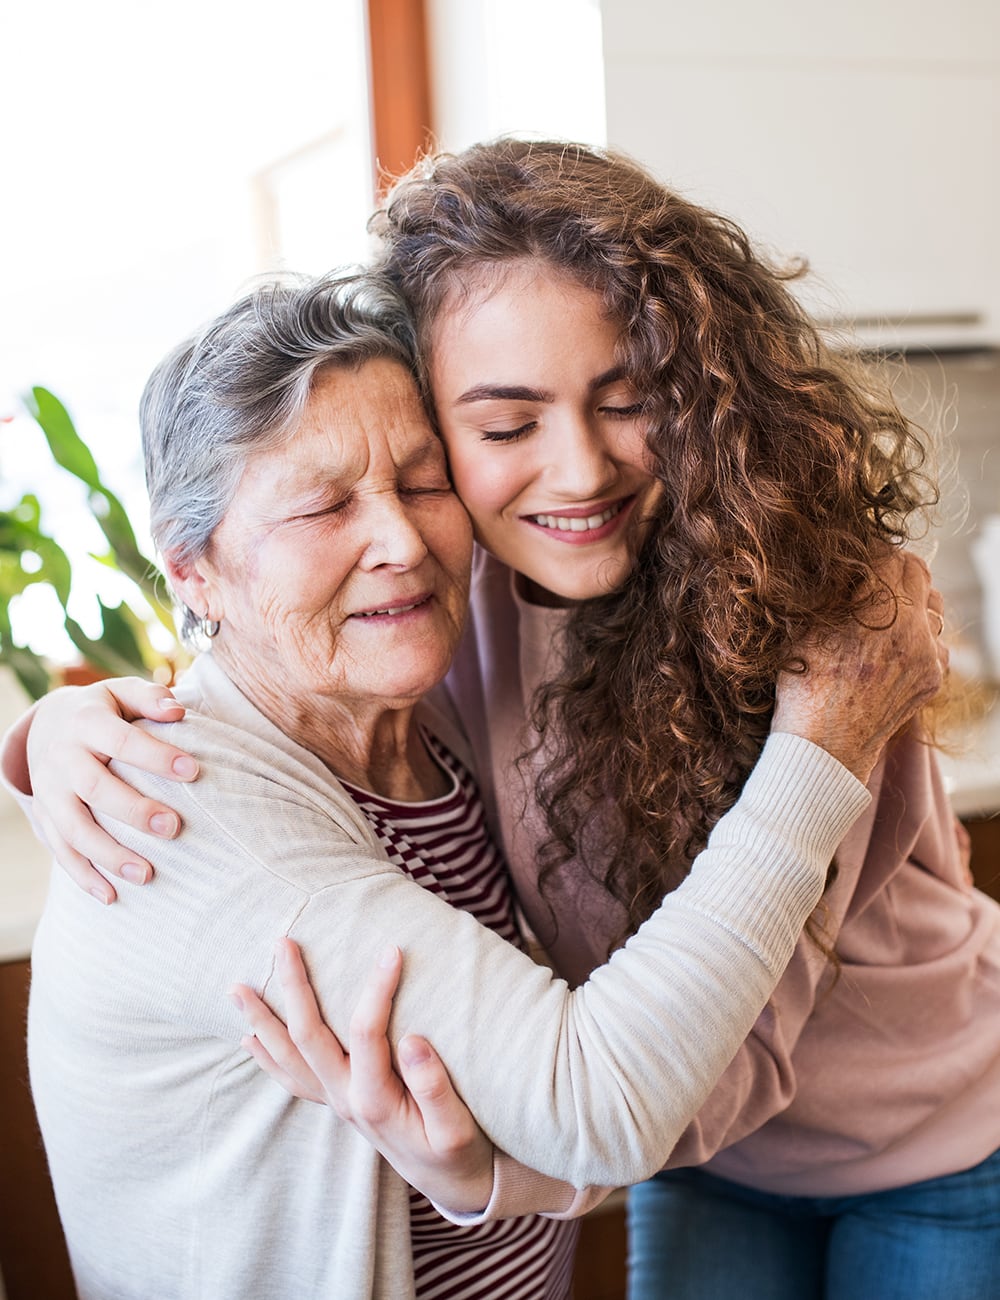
(415, 1119)
(865, 685)
(73, 735)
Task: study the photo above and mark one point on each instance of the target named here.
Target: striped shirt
(444, 845)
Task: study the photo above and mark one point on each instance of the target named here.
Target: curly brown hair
(786, 470)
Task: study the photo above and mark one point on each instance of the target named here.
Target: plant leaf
(28, 668)
(119, 635)
(67, 447)
(114, 523)
(20, 536)
(124, 645)
(100, 653)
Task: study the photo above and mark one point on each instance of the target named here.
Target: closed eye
(509, 435)
(334, 509)
(624, 412)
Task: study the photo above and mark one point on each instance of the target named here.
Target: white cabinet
(861, 135)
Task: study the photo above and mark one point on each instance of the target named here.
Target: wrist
(859, 759)
(470, 1202)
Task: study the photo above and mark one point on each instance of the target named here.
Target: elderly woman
(301, 502)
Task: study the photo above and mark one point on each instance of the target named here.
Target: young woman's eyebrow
(610, 376)
(504, 392)
(522, 393)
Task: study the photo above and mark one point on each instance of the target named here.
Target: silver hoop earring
(210, 626)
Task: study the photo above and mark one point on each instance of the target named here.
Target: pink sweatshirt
(890, 1076)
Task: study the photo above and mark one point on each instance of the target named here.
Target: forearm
(14, 754)
(593, 1086)
(761, 1080)
(909, 821)
(619, 1067)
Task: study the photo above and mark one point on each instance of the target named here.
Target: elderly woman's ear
(194, 584)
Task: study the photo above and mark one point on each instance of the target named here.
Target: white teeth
(579, 524)
(400, 609)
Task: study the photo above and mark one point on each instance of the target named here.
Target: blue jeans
(696, 1237)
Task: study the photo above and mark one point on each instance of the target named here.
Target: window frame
(402, 115)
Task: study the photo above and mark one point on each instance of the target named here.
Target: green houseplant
(29, 554)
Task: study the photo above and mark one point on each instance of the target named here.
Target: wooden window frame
(402, 119)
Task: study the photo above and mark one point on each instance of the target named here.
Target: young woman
(576, 318)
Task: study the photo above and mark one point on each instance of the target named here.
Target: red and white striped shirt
(444, 845)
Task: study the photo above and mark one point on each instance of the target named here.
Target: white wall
(862, 134)
(526, 67)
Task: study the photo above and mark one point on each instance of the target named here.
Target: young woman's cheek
(487, 481)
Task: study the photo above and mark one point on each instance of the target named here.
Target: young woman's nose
(582, 465)
(393, 536)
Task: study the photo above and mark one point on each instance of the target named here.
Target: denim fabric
(696, 1237)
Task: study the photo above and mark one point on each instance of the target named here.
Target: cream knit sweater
(182, 1171)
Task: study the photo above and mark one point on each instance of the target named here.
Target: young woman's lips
(580, 526)
(394, 611)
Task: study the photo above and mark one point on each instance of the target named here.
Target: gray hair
(240, 385)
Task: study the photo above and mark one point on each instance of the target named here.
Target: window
(154, 161)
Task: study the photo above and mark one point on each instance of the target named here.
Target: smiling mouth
(392, 611)
(579, 523)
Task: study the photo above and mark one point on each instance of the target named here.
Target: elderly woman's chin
(396, 651)
(384, 641)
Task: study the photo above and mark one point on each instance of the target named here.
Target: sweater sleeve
(910, 819)
(760, 1081)
(594, 1085)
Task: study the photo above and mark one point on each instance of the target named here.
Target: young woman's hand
(415, 1119)
(73, 735)
(865, 685)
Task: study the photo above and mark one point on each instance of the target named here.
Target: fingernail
(102, 895)
(236, 1000)
(185, 767)
(167, 703)
(165, 824)
(413, 1051)
(387, 957)
(134, 874)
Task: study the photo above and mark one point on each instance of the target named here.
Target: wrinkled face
(544, 432)
(342, 565)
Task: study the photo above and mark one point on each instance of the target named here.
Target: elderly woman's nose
(393, 535)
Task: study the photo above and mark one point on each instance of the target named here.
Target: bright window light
(154, 160)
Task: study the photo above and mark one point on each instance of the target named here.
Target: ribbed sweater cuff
(772, 850)
(518, 1190)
